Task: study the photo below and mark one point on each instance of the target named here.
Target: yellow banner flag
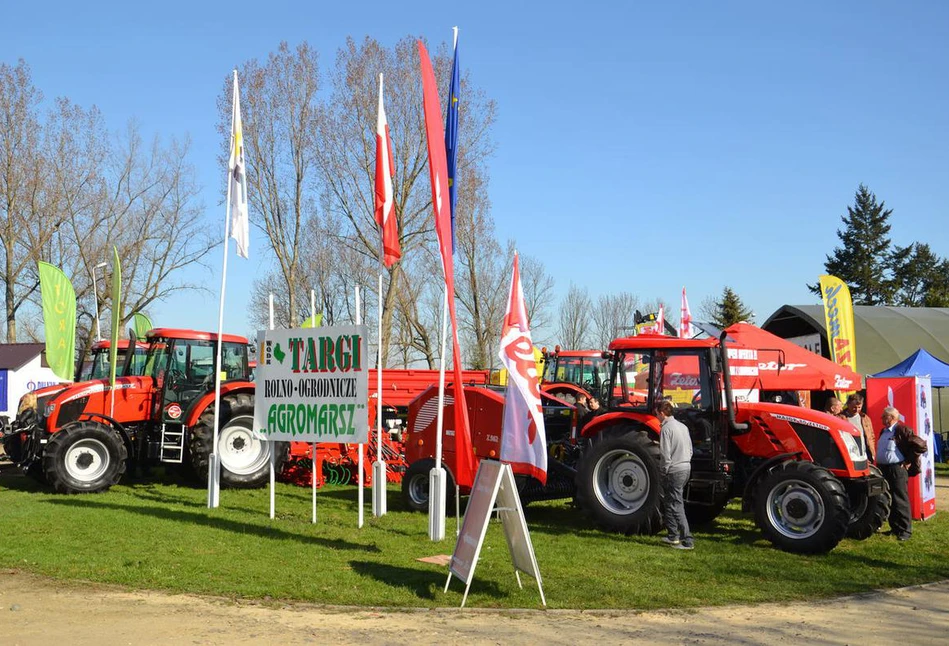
(59, 320)
(838, 316)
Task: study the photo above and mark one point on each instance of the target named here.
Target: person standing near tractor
(894, 465)
(675, 465)
(861, 422)
(833, 407)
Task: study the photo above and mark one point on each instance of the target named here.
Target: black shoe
(903, 537)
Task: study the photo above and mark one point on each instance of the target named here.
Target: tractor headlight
(49, 410)
(853, 448)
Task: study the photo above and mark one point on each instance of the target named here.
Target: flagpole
(214, 472)
(361, 495)
(313, 320)
(273, 453)
(437, 476)
(379, 467)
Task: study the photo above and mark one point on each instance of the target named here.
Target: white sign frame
(494, 482)
(333, 398)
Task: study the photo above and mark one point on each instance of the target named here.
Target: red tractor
(81, 438)
(801, 472)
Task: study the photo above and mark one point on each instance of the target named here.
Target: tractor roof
(192, 335)
(105, 345)
(579, 353)
(660, 342)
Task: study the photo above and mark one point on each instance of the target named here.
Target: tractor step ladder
(173, 443)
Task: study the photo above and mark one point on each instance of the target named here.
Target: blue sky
(656, 145)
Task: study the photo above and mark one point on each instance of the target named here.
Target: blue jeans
(673, 514)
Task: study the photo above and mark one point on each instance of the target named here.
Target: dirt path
(38, 611)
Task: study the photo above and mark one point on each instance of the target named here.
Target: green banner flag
(116, 313)
(142, 324)
(59, 320)
(314, 321)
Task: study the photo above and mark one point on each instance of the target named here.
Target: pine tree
(921, 277)
(729, 310)
(865, 256)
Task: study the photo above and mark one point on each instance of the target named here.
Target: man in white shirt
(675, 465)
(894, 466)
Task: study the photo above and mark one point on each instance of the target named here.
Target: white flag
(237, 179)
(523, 436)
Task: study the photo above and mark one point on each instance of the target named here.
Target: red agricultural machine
(80, 438)
(338, 463)
(801, 472)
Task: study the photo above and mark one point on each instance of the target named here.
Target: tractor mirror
(715, 361)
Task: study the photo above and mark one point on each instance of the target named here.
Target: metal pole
(95, 295)
(361, 494)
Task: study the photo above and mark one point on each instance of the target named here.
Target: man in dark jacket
(895, 464)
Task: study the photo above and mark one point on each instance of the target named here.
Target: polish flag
(661, 320)
(438, 171)
(685, 319)
(385, 201)
(523, 436)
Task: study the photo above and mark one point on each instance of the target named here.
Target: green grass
(159, 535)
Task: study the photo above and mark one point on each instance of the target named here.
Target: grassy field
(159, 535)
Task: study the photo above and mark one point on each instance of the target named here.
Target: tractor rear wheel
(245, 457)
(618, 481)
(415, 486)
(801, 507)
(84, 457)
(869, 512)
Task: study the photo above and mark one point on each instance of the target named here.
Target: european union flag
(451, 139)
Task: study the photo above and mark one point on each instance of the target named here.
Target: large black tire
(84, 457)
(618, 481)
(245, 458)
(415, 486)
(801, 507)
(870, 512)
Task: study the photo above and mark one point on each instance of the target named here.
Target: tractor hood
(827, 440)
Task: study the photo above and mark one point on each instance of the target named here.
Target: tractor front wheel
(801, 507)
(618, 481)
(245, 457)
(84, 457)
(869, 512)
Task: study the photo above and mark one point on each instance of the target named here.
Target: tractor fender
(111, 422)
(606, 420)
(763, 469)
(201, 404)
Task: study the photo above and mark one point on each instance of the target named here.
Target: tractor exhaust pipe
(729, 398)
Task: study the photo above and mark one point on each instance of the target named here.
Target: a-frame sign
(493, 483)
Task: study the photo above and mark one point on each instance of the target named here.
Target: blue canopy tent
(923, 364)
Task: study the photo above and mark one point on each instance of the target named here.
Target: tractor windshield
(645, 378)
(98, 367)
(590, 373)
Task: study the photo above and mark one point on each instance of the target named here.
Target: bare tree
(280, 114)
(22, 179)
(574, 323)
(612, 317)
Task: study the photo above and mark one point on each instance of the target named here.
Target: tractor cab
(182, 363)
(648, 369)
(572, 373)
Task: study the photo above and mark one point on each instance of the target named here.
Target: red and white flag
(385, 200)
(438, 170)
(523, 436)
(685, 319)
(661, 320)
